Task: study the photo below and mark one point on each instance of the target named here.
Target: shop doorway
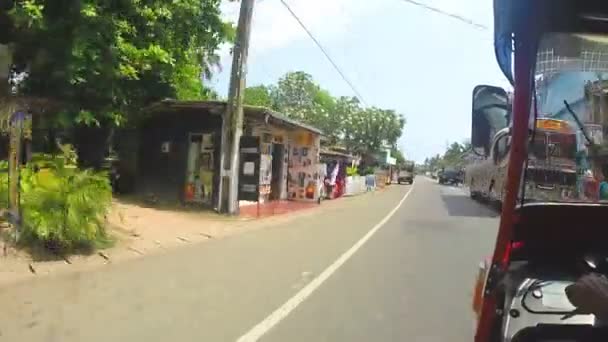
(200, 168)
(276, 185)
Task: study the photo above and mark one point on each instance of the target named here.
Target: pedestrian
(370, 182)
(602, 184)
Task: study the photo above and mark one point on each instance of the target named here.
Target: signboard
(249, 168)
(165, 147)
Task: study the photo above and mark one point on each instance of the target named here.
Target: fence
(355, 185)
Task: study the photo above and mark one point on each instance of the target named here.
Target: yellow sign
(305, 138)
(554, 125)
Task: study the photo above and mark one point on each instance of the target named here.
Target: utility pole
(232, 123)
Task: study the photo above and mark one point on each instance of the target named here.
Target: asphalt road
(411, 280)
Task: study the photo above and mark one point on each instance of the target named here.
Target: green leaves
(62, 206)
(87, 118)
(112, 58)
(258, 96)
(453, 157)
(29, 13)
(343, 120)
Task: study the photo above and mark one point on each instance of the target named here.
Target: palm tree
(211, 62)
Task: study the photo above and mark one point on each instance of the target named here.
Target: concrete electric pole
(232, 124)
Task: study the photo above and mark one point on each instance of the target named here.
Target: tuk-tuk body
(555, 54)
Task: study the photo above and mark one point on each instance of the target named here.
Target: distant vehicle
(450, 176)
(552, 169)
(406, 174)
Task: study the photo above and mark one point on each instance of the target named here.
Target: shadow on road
(462, 205)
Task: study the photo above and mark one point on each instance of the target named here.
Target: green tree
(105, 60)
(343, 120)
(299, 97)
(398, 155)
(295, 94)
(434, 162)
(368, 130)
(453, 156)
(258, 96)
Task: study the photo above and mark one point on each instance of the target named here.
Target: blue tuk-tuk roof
(532, 17)
(503, 33)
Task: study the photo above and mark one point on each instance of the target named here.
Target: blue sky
(398, 56)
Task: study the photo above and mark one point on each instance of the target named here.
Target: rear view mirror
(490, 114)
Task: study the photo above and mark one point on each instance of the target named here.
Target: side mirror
(490, 114)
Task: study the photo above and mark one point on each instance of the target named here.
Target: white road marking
(279, 314)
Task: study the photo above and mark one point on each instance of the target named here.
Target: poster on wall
(248, 168)
(207, 141)
(265, 189)
(165, 147)
(265, 169)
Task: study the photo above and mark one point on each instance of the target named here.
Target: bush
(352, 171)
(63, 208)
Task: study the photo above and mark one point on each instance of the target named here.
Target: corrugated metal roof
(335, 153)
(219, 107)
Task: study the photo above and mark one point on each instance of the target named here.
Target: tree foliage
(105, 60)
(399, 157)
(298, 96)
(454, 157)
(258, 96)
(343, 120)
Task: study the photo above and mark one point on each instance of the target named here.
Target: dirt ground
(139, 231)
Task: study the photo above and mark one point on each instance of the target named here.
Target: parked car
(452, 177)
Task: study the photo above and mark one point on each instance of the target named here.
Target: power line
(352, 87)
(451, 15)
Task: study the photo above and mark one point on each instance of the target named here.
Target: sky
(397, 55)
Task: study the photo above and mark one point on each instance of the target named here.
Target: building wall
(164, 173)
(269, 135)
(295, 164)
(304, 165)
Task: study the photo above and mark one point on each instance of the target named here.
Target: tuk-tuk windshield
(568, 150)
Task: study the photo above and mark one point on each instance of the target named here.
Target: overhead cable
(350, 84)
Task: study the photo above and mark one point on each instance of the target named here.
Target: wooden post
(14, 165)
